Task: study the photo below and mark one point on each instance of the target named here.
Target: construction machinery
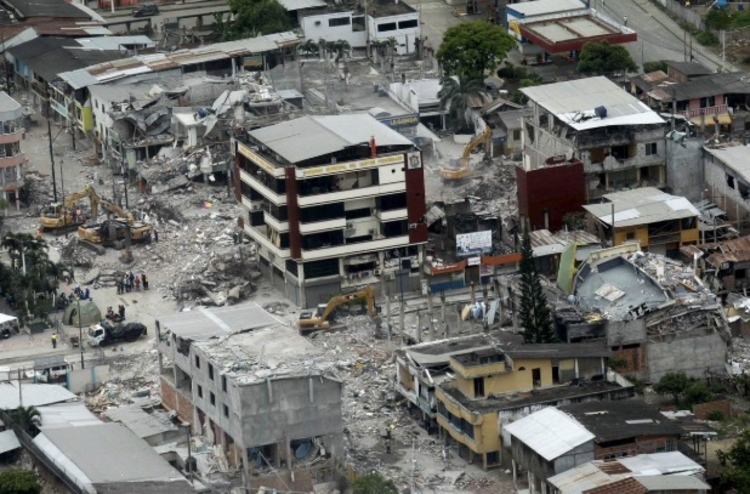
(61, 217)
(316, 319)
(463, 170)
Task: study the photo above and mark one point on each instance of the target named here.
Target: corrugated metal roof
(549, 432)
(573, 102)
(73, 414)
(622, 486)
(8, 441)
(672, 482)
(641, 206)
(292, 5)
(735, 157)
(312, 136)
(10, 109)
(35, 395)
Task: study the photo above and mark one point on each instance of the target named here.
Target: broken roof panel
(312, 136)
(640, 207)
(203, 324)
(549, 432)
(574, 103)
(34, 395)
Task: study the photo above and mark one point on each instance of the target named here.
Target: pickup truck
(105, 333)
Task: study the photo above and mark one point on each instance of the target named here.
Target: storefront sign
(352, 165)
(409, 120)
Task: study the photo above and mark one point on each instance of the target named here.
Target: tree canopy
(373, 483)
(19, 482)
(455, 93)
(28, 419)
(257, 17)
(472, 48)
(605, 58)
(534, 313)
(736, 465)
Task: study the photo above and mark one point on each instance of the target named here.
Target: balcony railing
(272, 196)
(357, 248)
(322, 226)
(711, 110)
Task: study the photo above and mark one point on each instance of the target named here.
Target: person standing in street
(156, 236)
(137, 284)
(54, 340)
(144, 280)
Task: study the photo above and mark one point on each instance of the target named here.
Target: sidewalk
(700, 53)
(184, 5)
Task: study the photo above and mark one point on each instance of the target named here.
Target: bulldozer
(60, 217)
(463, 170)
(316, 319)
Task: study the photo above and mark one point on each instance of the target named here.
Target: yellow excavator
(463, 170)
(315, 319)
(111, 231)
(61, 216)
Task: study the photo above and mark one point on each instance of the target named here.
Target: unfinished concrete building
(255, 387)
(618, 138)
(652, 311)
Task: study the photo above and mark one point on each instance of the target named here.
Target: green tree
(696, 393)
(535, 315)
(373, 483)
(472, 48)
(19, 482)
(28, 419)
(735, 473)
(673, 384)
(221, 29)
(256, 17)
(605, 58)
(649, 67)
(455, 94)
(718, 19)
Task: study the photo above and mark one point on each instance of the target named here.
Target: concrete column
(431, 315)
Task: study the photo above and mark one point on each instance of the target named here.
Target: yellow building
(495, 386)
(661, 223)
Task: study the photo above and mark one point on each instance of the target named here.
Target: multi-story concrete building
(255, 387)
(619, 139)
(333, 202)
(12, 158)
(493, 387)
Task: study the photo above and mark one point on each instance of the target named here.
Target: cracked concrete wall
(685, 168)
(292, 408)
(691, 355)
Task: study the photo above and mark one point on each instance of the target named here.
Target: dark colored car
(145, 11)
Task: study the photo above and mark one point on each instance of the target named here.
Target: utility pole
(431, 315)
(20, 395)
(723, 45)
(51, 155)
(80, 333)
(684, 45)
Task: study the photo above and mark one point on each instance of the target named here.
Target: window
(200, 391)
(224, 383)
(650, 149)
(211, 372)
(387, 26)
(410, 24)
(212, 396)
(630, 235)
(197, 361)
(479, 387)
(708, 102)
(339, 21)
(671, 444)
(730, 181)
(226, 411)
(516, 134)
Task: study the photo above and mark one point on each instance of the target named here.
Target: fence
(685, 14)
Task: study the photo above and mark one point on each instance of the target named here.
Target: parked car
(145, 11)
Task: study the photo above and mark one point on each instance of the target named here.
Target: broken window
(263, 456)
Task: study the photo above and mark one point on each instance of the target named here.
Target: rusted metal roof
(737, 250)
(624, 486)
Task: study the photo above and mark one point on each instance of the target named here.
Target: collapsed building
(256, 390)
(652, 312)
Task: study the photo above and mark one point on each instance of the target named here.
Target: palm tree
(309, 48)
(28, 419)
(340, 47)
(221, 29)
(456, 93)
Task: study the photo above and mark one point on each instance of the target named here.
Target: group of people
(82, 294)
(130, 282)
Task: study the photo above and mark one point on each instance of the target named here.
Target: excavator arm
(117, 210)
(463, 170)
(308, 320)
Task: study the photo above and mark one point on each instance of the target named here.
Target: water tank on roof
(600, 111)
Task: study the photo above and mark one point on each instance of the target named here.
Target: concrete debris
(72, 253)
(91, 276)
